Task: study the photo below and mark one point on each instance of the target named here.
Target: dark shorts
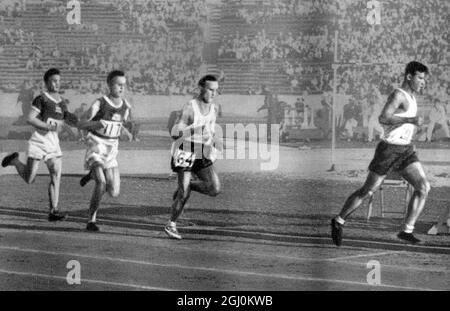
(392, 157)
(199, 164)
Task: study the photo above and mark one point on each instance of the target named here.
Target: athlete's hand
(54, 125)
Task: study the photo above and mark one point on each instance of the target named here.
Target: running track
(132, 256)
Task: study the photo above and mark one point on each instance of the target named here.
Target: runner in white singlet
(194, 150)
(395, 153)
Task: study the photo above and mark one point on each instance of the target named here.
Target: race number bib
(54, 124)
(111, 129)
(183, 158)
(407, 133)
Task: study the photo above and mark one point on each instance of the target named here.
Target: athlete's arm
(85, 120)
(127, 115)
(37, 123)
(184, 126)
(394, 102)
(69, 118)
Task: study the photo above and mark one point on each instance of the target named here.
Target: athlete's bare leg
(415, 175)
(209, 182)
(27, 171)
(99, 191)
(373, 182)
(112, 176)
(182, 195)
(54, 166)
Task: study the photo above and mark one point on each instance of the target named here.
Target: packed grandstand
(164, 46)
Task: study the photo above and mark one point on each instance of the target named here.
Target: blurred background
(274, 60)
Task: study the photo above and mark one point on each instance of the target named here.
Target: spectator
(26, 95)
(438, 115)
(375, 107)
(349, 126)
(79, 112)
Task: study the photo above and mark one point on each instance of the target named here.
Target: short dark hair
(51, 72)
(204, 79)
(113, 74)
(413, 67)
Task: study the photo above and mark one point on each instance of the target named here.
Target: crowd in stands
(315, 45)
(145, 16)
(162, 43)
(12, 8)
(170, 65)
(263, 11)
(165, 60)
(407, 30)
(161, 46)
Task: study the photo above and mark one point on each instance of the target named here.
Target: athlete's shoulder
(39, 100)
(215, 108)
(191, 102)
(40, 97)
(396, 96)
(399, 93)
(102, 99)
(189, 106)
(126, 103)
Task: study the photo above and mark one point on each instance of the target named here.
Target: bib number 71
(111, 128)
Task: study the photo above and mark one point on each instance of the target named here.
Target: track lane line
(55, 277)
(215, 270)
(261, 235)
(298, 259)
(362, 255)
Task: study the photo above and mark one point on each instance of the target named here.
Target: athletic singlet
(48, 107)
(111, 115)
(402, 135)
(206, 122)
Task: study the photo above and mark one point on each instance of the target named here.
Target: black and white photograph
(224, 150)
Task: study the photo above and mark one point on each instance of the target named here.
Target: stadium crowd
(162, 43)
(407, 30)
(263, 11)
(315, 45)
(167, 57)
(143, 17)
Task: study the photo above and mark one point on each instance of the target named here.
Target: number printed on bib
(183, 158)
(55, 124)
(111, 129)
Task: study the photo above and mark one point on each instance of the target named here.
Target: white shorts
(101, 151)
(44, 145)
